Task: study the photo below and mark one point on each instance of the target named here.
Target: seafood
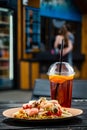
(42, 109)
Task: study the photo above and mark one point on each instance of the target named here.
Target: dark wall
(9, 3)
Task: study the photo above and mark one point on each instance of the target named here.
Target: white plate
(9, 112)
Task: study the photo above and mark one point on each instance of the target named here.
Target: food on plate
(42, 109)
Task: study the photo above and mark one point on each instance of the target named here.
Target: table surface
(75, 123)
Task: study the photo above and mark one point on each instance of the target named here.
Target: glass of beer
(61, 83)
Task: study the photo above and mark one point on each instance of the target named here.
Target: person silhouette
(64, 34)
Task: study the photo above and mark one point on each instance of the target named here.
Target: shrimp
(33, 111)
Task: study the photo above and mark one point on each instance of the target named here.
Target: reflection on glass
(32, 28)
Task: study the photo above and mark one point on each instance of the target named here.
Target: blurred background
(27, 32)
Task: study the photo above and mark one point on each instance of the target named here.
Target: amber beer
(61, 84)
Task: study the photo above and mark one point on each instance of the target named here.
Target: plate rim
(80, 111)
